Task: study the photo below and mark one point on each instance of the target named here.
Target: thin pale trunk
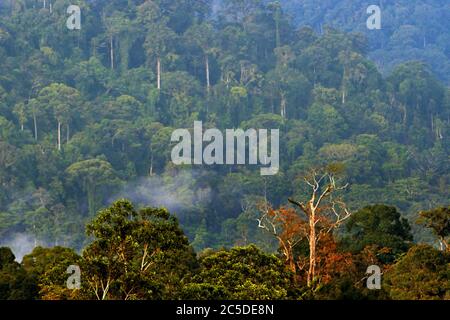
(283, 105)
(35, 127)
(151, 165)
(344, 85)
(432, 124)
(312, 248)
(59, 136)
(111, 44)
(208, 84)
(21, 127)
(443, 244)
(158, 72)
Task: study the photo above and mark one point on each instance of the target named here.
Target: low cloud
(21, 244)
(176, 193)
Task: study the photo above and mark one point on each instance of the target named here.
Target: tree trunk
(68, 134)
(208, 84)
(35, 127)
(312, 246)
(443, 244)
(283, 105)
(158, 72)
(312, 250)
(21, 127)
(344, 79)
(111, 44)
(59, 136)
(151, 165)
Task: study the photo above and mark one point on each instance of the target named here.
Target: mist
(20, 244)
(176, 193)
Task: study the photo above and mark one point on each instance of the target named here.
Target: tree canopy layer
(86, 118)
(86, 115)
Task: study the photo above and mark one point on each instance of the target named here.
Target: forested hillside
(86, 116)
(410, 29)
(88, 185)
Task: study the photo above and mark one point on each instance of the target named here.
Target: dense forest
(86, 118)
(410, 29)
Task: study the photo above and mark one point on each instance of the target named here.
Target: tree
(48, 266)
(203, 36)
(324, 212)
(15, 283)
(242, 273)
(61, 100)
(136, 254)
(289, 230)
(20, 112)
(438, 220)
(378, 225)
(34, 108)
(158, 42)
(422, 274)
(115, 24)
(90, 175)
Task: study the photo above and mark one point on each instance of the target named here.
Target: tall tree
(203, 36)
(115, 24)
(324, 211)
(381, 226)
(61, 100)
(158, 44)
(91, 175)
(136, 254)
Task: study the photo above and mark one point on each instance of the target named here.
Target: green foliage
(86, 113)
(15, 282)
(242, 273)
(438, 220)
(407, 32)
(378, 225)
(48, 266)
(82, 112)
(422, 274)
(136, 254)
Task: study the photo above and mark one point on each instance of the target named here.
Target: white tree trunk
(59, 136)
(111, 44)
(208, 83)
(312, 246)
(35, 127)
(158, 72)
(283, 105)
